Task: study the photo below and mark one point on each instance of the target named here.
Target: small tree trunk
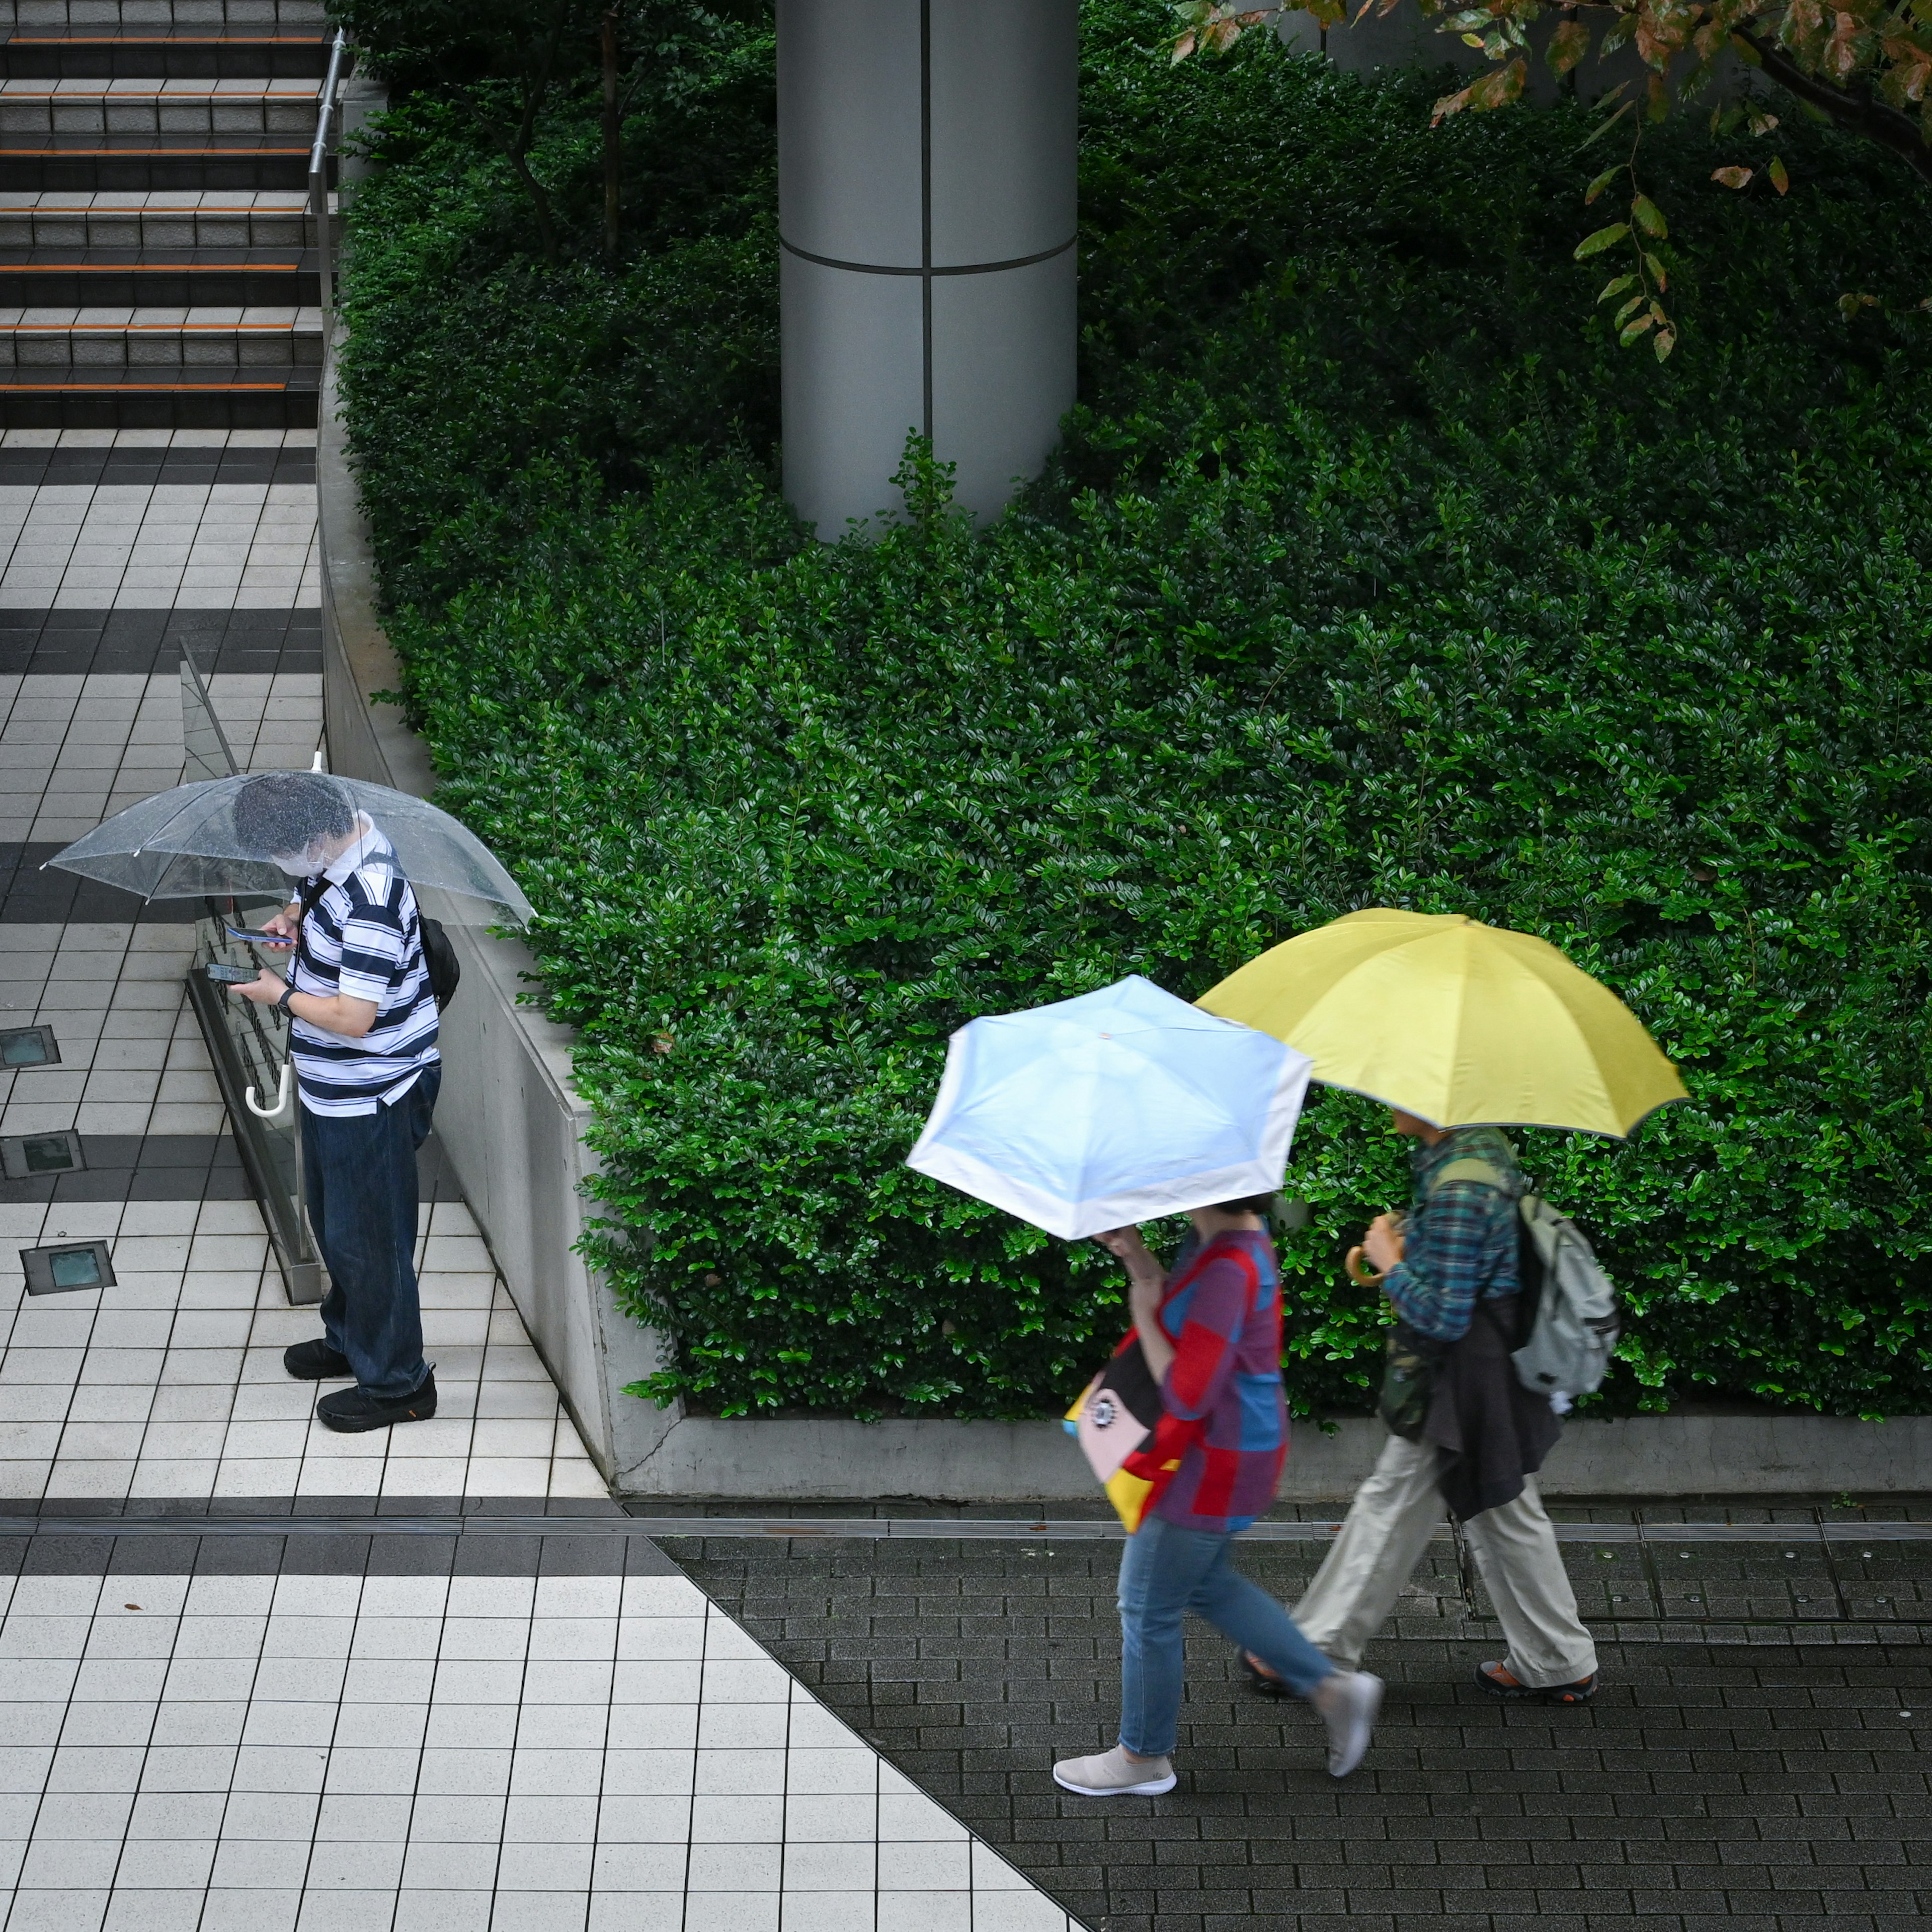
(613, 139)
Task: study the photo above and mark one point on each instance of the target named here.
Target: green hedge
(1370, 574)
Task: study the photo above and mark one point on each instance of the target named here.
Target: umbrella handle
(1359, 1271)
(281, 1095)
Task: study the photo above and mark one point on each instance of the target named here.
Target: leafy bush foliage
(1368, 575)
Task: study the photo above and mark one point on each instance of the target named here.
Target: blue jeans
(360, 1173)
(1165, 1572)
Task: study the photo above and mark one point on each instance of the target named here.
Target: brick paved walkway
(1750, 1776)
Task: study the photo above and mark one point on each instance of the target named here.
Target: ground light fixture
(70, 1268)
(27, 1156)
(29, 1046)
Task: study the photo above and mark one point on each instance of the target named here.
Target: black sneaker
(315, 1361)
(350, 1412)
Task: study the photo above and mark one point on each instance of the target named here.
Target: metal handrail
(318, 169)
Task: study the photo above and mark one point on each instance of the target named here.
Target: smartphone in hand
(230, 976)
(259, 938)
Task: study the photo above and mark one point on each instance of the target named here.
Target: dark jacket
(1489, 1432)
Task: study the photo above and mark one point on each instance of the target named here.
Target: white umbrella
(1112, 1108)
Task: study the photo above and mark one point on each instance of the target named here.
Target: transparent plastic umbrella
(187, 843)
(1128, 1102)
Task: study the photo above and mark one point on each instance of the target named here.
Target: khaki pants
(1388, 1528)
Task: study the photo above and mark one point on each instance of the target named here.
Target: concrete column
(926, 212)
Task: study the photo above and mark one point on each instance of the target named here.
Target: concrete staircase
(157, 260)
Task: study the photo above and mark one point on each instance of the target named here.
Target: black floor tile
(31, 468)
(82, 643)
(185, 1167)
(1679, 1798)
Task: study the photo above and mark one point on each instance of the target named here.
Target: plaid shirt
(1458, 1242)
(1226, 1421)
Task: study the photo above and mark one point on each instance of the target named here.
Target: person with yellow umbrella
(1460, 1028)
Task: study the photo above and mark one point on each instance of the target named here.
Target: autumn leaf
(1656, 273)
(1183, 47)
(1604, 237)
(1649, 217)
(1903, 83)
(1450, 103)
(1643, 325)
(1732, 177)
(1567, 45)
(1761, 123)
(1779, 179)
(1629, 309)
(1616, 287)
(1499, 88)
(1840, 58)
(1663, 342)
(1602, 181)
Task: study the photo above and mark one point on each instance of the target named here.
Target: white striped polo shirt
(363, 937)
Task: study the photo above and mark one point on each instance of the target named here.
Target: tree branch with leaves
(1865, 64)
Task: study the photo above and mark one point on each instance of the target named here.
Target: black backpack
(439, 960)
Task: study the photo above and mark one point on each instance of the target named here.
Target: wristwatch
(288, 994)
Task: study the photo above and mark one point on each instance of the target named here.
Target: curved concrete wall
(926, 217)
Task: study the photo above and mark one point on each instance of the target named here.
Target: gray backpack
(1573, 1333)
(1577, 1322)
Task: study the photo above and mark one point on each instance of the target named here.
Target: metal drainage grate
(29, 1046)
(71, 1266)
(27, 1156)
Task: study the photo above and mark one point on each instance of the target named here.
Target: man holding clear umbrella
(363, 1037)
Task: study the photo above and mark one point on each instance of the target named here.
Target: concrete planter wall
(513, 1123)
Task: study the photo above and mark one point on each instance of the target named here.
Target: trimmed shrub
(1370, 574)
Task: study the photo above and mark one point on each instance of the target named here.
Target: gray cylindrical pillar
(926, 212)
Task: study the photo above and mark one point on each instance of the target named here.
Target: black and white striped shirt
(363, 937)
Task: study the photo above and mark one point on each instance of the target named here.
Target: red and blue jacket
(1225, 1420)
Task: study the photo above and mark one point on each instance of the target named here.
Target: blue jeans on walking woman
(1165, 1572)
(360, 1173)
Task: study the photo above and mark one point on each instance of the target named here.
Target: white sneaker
(1348, 1701)
(1114, 1774)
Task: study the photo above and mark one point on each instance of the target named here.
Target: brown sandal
(1496, 1680)
(1263, 1683)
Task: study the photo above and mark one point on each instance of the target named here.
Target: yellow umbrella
(1456, 1022)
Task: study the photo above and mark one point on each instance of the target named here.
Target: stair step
(82, 396)
(175, 278)
(94, 163)
(155, 341)
(217, 15)
(185, 219)
(184, 53)
(149, 106)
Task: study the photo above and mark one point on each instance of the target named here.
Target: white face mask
(300, 865)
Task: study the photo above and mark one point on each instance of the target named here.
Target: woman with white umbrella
(1210, 1330)
(1122, 1104)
